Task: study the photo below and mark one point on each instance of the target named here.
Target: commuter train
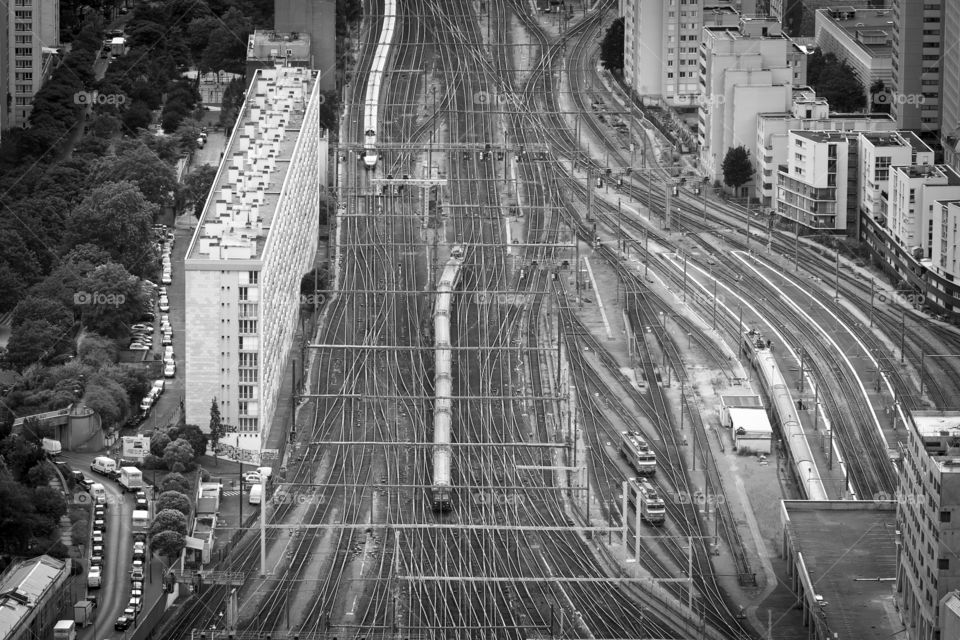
(441, 489)
(652, 508)
(637, 452)
(372, 100)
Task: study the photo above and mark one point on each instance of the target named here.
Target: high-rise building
(662, 44)
(929, 495)
(918, 31)
(266, 49)
(256, 238)
(32, 38)
(743, 72)
(950, 88)
(318, 18)
(862, 38)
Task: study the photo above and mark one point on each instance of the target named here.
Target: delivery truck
(51, 447)
(141, 522)
(65, 630)
(83, 613)
(131, 479)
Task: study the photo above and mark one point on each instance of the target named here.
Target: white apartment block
(816, 186)
(743, 72)
(878, 153)
(918, 36)
(914, 194)
(945, 248)
(950, 87)
(33, 34)
(862, 38)
(662, 45)
(928, 496)
(257, 237)
(809, 113)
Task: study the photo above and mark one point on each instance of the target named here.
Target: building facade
(318, 18)
(33, 593)
(33, 35)
(950, 87)
(914, 194)
(744, 72)
(257, 237)
(929, 495)
(799, 16)
(863, 39)
(878, 153)
(917, 42)
(809, 113)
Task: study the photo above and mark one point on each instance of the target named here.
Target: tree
(217, 429)
(152, 176)
(329, 115)
(195, 436)
(197, 186)
(39, 475)
(116, 217)
(33, 341)
(611, 48)
(737, 168)
(37, 308)
(168, 544)
(48, 502)
(158, 443)
(175, 482)
(174, 500)
(178, 455)
(226, 48)
(97, 351)
(169, 520)
(836, 81)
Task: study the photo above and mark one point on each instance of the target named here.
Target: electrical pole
(796, 246)
(871, 302)
(837, 276)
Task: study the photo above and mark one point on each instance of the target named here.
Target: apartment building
(32, 595)
(928, 496)
(917, 41)
(817, 188)
(318, 19)
(808, 113)
(863, 38)
(662, 45)
(743, 72)
(32, 37)
(878, 153)
(950, 87)
(914, 193)
(256, 238)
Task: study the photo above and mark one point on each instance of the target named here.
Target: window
(943, 564)
(23, 52)
(254, 277)
(248, 326)
(246, 392)
(243, 293)
(248, 359)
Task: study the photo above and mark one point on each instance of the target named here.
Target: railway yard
(517, 326)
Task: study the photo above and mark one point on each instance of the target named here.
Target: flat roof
(238, 213)
(933, 423)
(865, 22)
(266, 45)
(849, 552)
(750, 401)
(934, 171)
(751, 420)
(23, 586)
(825, 135)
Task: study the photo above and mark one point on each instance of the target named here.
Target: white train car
(371, 102)
(651, 506)
(441, 488)
(637, 452)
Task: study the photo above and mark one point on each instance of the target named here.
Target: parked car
(96, 561)
(141, 327)
(141, 504)
(170, 370)
(99, 524)
(96, 550)
(136, 603)
(122, 624)
(146, 404)
(166, 279)
(94, 578)
(97, 537)
(136, 574)
(138, 346)
(164, 305)
(136, 585)
(251, 477)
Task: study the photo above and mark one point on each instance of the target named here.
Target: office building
(950, 87)
(256, 238)
(818, 185)
(268, 49)
(32, 38)
(661, 45)
(863, 39)
(32, 595)
(744, 72)
(878, 153)
(929, 495)
(809, 113)
(918, 36)
(318, 19)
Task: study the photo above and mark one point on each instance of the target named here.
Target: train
(652, 508)
(441, 488)
(637, 452)
(371, 102)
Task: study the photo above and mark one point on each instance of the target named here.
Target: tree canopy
(836, 81)
(737, 168)
(175, 482)
(168, 520)
(611, 47)
(174, 500)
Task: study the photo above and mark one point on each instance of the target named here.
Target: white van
(99, 493)
(104, 465)
(94, 578)
(256, 494)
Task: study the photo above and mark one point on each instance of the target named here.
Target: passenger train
(441, 489)
(374, 81)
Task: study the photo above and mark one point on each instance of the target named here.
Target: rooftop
(868, 29)
(849, 552)
(942, 174)
(896, 139)
(750, 419)
(826, 135)
(23, 586)
(269, 45)
(239, 210)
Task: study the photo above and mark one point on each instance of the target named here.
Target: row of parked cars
(155, 391)
(137, 567)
